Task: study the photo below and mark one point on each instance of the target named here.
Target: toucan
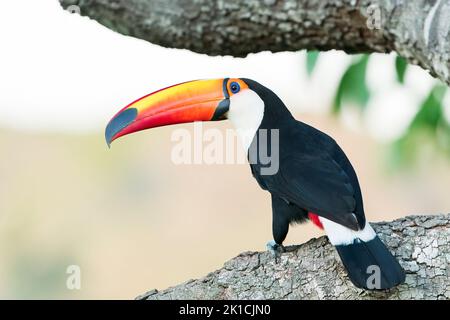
(314, 179)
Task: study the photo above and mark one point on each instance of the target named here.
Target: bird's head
(198, 100)
(244, 101)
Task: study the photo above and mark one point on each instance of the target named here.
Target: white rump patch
(340, 235)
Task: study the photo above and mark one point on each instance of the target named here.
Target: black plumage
(314, 173)
(315, 176)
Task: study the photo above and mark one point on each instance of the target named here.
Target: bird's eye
(234, 87)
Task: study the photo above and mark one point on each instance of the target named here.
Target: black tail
(370, 265)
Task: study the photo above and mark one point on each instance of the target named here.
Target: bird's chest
(255, 172)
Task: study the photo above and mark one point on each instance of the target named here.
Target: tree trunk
(313, 270)
(417, 29)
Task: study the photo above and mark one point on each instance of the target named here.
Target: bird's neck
(259, 119)
(275, 111)
(246, 115)
(255, 110)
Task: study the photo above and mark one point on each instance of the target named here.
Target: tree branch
(417, 29)
(313, 270)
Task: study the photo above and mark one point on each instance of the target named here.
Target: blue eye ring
(235, 87)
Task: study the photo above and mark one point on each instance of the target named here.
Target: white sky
(63, 72)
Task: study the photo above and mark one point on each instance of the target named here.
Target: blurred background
(130, 218)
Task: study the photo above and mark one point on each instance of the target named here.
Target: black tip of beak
(118, 123)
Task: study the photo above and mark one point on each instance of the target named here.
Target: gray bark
(313, 270)
(416, 29)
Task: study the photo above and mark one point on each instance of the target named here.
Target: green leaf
(311, 61)
(400, 68)
(428, 127)
(352, 87)
(402, 152)
(431, 111)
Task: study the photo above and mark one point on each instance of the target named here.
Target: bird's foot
(275, 249)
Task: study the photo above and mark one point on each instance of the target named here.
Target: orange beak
(199, 100)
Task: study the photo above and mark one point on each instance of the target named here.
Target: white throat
(246, 114)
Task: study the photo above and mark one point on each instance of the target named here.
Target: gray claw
(275, 249)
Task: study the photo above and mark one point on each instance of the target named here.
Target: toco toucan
(314, 179)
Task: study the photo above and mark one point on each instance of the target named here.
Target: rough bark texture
(313, 270)
(417, 29)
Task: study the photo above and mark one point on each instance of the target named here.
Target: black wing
(316, 183)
